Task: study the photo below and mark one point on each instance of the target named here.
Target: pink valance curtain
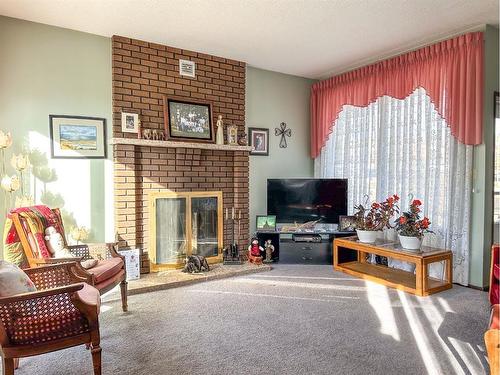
(451, 72)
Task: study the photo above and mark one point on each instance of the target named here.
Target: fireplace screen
(182, 224)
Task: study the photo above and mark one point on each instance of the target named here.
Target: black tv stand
(303, 247)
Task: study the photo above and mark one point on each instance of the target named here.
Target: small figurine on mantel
(269, 251)
(220, 131)
(243, 140)
(254, 251)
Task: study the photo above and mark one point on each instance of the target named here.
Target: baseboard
(483, 289)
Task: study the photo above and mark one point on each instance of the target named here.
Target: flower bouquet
(369, 221)
(411, 229)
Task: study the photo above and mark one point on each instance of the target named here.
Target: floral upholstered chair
(61, 313)
(25, 246)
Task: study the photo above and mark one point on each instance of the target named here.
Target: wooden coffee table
(349, 256)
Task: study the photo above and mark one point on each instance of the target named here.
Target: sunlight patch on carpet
(291, 284)
(270, 295)
(379, 300)
(428, 356)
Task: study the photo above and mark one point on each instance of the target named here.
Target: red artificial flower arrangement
(378, 216)
(409, 223)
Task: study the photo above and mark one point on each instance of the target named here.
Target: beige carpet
(292, 320)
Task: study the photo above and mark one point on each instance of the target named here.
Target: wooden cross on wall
(283, 132)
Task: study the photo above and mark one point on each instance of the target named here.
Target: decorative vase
(367, 236)
(410, 243)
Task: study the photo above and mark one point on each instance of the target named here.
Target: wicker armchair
(60, 314)
(109, 271)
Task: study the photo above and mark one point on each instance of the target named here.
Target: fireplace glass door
(183, 224)
(204, 226)
(171, 236)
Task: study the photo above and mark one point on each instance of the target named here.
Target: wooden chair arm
(492, 341)
(43, 261)
(41, 293)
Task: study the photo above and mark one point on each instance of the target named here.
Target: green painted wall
(272, 98)
(482, 196)
(48, 70)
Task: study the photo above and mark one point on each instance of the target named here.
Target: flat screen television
(301, 200)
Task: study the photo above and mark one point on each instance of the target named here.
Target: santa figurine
(254, 251)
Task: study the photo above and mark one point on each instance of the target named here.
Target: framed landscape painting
(188, 120)
(77, 137)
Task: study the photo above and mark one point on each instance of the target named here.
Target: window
(405, 147)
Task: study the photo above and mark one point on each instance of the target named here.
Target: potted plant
(369, 222)
(411, 228)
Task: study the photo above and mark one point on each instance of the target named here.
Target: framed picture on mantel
(188, 121)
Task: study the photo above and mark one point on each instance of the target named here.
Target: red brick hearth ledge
(172, 144)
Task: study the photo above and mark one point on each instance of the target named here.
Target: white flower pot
(367, 236)
(410, 243)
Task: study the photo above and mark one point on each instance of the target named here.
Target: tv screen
(302, 200)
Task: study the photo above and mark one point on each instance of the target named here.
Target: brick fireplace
(142, 74)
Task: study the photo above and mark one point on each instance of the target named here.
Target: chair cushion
(108, 284)
(495, 317)
(13, 280)
(106, 269)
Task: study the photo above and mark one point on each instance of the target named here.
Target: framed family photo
(259, 141)
(77, 137)
(188, 120)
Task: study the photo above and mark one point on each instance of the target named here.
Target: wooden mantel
(175, 144)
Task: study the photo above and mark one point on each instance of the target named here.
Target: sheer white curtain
(405, 147)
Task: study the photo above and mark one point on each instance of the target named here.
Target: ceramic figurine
(269, 251)
(146, 133)
(243, 140)
(220, 131)
(254, 251)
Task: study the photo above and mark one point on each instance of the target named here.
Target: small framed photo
(347, 223)
(266, 223)
(188, 120)
(77, 137)
(130, 123)
(259, 141)
(232, 135)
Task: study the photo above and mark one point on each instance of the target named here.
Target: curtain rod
(394, 53)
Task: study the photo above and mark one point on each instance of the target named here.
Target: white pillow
(13, 280)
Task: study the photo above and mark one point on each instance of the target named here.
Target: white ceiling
(309, 38)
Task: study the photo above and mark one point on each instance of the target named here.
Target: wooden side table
(419, 283)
